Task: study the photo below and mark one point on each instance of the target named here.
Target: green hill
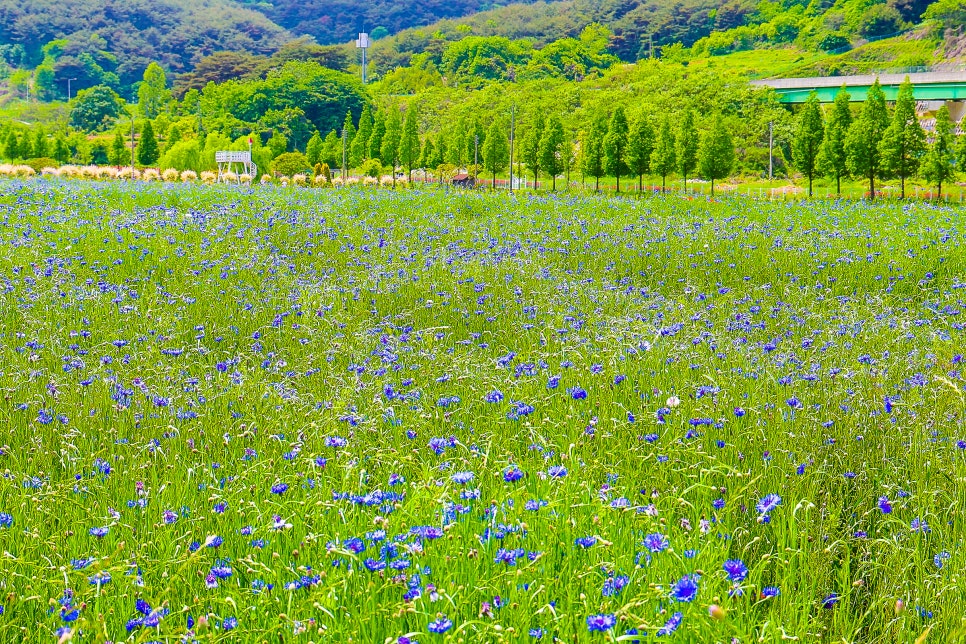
(113, 41)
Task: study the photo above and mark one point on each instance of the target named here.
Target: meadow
(355, 415)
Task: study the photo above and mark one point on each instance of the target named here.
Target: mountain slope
(339, 21)
(122, 37)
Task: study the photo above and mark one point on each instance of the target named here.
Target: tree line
(875, 144)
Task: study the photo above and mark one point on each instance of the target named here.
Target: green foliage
(39, 163)
(314, 148)
(359, 150)
(496, 149)
(409, 149)
(147, 148)
(278, 144)
(378, 132)
(530, 147)
(291, 164)
(834, 156)
(475, 58)
(809, 134)
(389, 153)
(371, 168)
(61, 149)
(615, 146)
(40, 149)
(173, 136)
(153, 93)
(183, 155)
(332, 150)
(95, 109)
(551, 149)
(101, 42)
(717, 153)
(904, 141)
(865, 133)
(593, 156)
(686, 146)
(880, 20)
(664, 157)
(640, 147)
(938, 166)
(324, 96)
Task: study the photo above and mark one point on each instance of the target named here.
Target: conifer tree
(389, 152)
(937, 165)
(640, 146)
(409, 144)
(862, 143)
(313, 149)
(40, 148)
(834, 157)
(530, 149)
(11, 147)
(551, 148)
(348, 136)
(904, 141)
(615, 146)
(119, 154)
(173, 136)
(592, 149)
(359, 150)
(717, 154)
(147, 148)
(61, 149)
(809, 133)
(378, 131)
(332, 150)
(496, 149)
(427, 155)
(686, 147)
(664, 158)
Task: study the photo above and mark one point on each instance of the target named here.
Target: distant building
(464, 181)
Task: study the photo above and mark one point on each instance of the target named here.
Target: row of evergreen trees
(607, 147)
(875, 145)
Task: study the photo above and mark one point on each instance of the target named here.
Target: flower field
(409, 416)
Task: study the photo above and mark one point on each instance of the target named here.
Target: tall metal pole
(513, 114)
(67, 127)
(345, 170)
(476, 156)
(770, 144)
(132, 144)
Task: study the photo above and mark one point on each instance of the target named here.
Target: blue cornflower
(512, 474)
(536, 633)
(670, 625)
(770, 591)
(768, 503)
(279, 488)
(557, 471)
(230, 623)
(884, 505)
(440, 625)
(100, 532)
(830, 600)
(462, 478)
(6, 520)
(585, 542)
(577, 393)
(685, 589)
(614, 585)
(494, 396)
(601, 623)
(736, 569)
(656, 542)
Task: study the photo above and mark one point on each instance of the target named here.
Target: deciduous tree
(717, 154)
(904, 141)
(807, 144)
(615, 145)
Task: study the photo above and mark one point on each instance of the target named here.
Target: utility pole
(132, 144)
(476, 156)
(771, 142)
(345, 170)
(513, 114)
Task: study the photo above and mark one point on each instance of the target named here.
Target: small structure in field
(464, 181)
(232, 164)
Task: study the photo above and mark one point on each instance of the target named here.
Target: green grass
(172, 349)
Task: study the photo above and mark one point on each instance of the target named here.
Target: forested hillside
(339, 21)
(112, 42)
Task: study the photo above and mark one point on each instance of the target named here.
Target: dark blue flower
(601, 623)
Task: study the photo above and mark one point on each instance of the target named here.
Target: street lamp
(363, 44)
